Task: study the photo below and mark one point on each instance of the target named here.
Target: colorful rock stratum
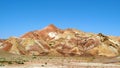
(53, 41)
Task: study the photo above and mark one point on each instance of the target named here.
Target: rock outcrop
(57, 42)
(44, 34)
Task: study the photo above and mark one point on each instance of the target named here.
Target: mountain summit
(57, 42)
(44, 33)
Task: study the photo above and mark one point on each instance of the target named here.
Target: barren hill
(57, 42)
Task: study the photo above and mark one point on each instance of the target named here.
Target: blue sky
(20, 16)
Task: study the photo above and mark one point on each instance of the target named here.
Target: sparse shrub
(25, 60)
(19, 62)
(2, 64)
(10, 62)
(42, 65)
(45, 63)
(2, 59)
(50, 58)
(34, 57)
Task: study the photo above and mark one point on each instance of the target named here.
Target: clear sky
(20, 16)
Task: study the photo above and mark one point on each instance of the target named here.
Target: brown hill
(44, 33)
(69, 42)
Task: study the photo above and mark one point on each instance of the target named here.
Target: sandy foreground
(65, 62)
(63, 65)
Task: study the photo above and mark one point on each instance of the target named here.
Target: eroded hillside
(53, 41)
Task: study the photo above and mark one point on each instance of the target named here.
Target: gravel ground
(63, 65)
(65, 62)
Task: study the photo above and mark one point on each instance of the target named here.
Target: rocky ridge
(57, 42)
